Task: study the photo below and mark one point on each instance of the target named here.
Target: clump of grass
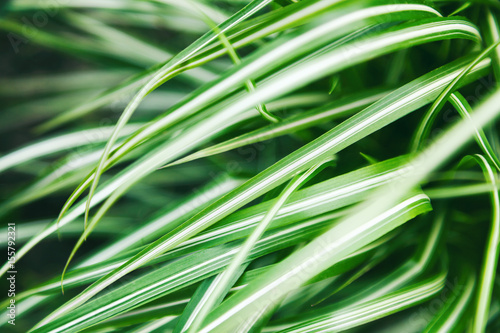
(252, 166)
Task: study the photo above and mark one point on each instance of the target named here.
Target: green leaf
(423, 130)
(488, 269)
(464, 109)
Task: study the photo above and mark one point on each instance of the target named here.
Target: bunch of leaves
(252, 166)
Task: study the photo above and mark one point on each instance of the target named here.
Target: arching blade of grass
(164, 243)
(60, 144)
(83, 276)
(53, 227)
(119, 45)
(292, 16)
(464, 109)
(423, 130)
(88, 180)
(41, 187)
(156, 126)
(285, 277)
(277, 54)
(201, 298)
(356, 249)
(73, 164)
(180, 272)
(310, 202)
(90, 273)
(406, 210)
(119, 92)
(403, 36)
(492, 36)
(488, 269)
(148, 312)
(317, 199)
(249, 84)
(135, 140)
(67, 175)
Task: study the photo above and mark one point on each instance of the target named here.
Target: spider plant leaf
(423, 130)
(58, 144)
(200, 299)
(488, 269)
(308, 204)
(464, 109)
(254, 66)
(180, 273)
(400, 277)
(267, 25)
(249, 84)
(492, 36)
